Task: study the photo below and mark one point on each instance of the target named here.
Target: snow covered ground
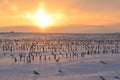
(87, 68)
(90, 67)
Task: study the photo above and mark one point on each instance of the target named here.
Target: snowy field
(59, 56)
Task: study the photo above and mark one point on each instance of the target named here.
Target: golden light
(43, 19)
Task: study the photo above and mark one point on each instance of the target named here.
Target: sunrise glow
(60, 15)
(42, 19)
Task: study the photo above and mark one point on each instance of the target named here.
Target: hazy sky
(67, 15)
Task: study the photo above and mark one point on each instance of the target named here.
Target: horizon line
(13, 32)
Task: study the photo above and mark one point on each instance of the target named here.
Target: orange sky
(70, 15)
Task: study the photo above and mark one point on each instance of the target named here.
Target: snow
(89, 67)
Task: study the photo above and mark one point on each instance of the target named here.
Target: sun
(42, 19)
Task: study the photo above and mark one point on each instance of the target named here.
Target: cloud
(101, 5)
(99, 13)
(106, 7)
(110, 28)
(8, 8)
(88, 11)
(20, 29)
